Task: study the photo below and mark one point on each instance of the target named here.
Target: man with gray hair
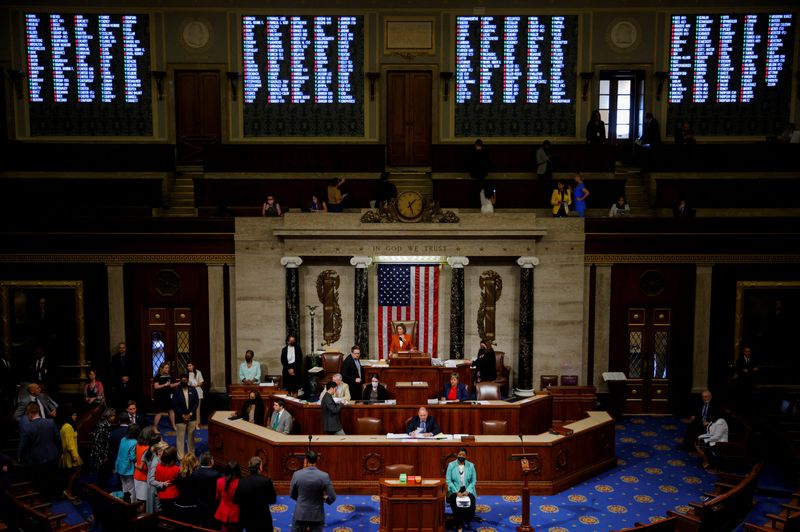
(342, 392)
(254, 494)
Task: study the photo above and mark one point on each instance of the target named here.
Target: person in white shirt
(717, 432)
(250, 370)
(620, 209)
(487, 202)
(196, 381)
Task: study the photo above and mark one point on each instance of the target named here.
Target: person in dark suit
(311, 488)
(184, 403)
(39, 371)
(205, 485)
(374, 390)
(121, 371)
(352, 373)
(291, 358)
(39, 449)
(423, 425)
(47, 407)
(331, 423)
(134, 417)
(8, 380)
(454, 390)
(254, 494)
(746, 371)
(485, 364)
(253, 409)
(698, 422)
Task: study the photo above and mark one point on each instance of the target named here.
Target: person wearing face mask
(250, 370)
(253, 409)
(374, 391)
(184, 403)
(461, 479)
(291, 355)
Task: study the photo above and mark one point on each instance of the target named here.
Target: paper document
(316, 369)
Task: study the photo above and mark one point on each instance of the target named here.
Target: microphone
(309, 443)
(522, 442)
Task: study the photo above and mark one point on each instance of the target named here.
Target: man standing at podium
(400, 340)
(352, 374)
(311, 488)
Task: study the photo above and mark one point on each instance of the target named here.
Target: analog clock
(409, 206)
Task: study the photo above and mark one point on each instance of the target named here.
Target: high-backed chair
(569, 380)
(411, 328)
(494, 426)
(331, 365)
(369, 425)
(502, 371)
(395, 470)
(487, 391)
(545, 381)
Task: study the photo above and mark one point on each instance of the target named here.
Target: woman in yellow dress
(70, 459)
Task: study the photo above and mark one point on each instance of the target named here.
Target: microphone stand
(524, 462)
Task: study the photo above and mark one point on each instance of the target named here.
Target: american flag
(408, 292)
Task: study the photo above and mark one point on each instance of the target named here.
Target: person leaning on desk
(422, 425)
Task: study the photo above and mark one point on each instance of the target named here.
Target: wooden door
(409, 118)
(649, 345)
(168, 337)
(197, 113)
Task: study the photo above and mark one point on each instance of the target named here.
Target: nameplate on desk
(267, 384)
(419, 383)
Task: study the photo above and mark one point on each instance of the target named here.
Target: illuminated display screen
(303, 75)
(88, 74)
(730, 74)
(515, 76)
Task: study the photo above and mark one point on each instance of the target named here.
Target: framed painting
(766, 314)
(45, 316)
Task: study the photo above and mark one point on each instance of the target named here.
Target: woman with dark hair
(374, 390)
(162, 386)
(166, 473)
(147, 438)
(126, 459)
(253, 409)
(461, 479)
(291, 357)
(196, 381)
(228, 511)
(596, 129)
(99, 459)
(94, 393)
(316, 205)
(561, 199)
(580, 193)
(70, 460)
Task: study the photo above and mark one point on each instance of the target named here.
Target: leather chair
(395, 470)
(369, 425)
(487, 391)
(494, 426)
(331, 365)
(545, 381)
(502, 372)
(569, 380)
(411, 328)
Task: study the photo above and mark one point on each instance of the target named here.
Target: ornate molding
(118, 259)
(457, 262)
(432, 213)
(291, 262)
(528, 262)
(361, 262)
(590, 259)
(372, 462)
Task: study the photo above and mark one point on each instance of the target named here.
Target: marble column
(524, 385)
(292, 296)
(702, 326)
(116, 305)
(457, 306)
(361, 304)
(602, 324)
(216, 327)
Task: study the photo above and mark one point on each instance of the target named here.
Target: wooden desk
(571, 402)
(410, 358)
(529, 416)
(356, 463)
(408, 393)
(435, 376)
(412, 506)
(238, 394)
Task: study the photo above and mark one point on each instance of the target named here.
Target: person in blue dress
(579, 194)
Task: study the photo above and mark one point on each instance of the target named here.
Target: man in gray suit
(311, 488)
(281, 420)
(331, 423)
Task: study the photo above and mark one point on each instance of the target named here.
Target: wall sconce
(446, 77)
(587, 81)
(16, 80)
(372, 77)
(661, 77)
(159, 76)
(233, 79)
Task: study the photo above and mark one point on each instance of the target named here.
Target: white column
(116, 305)
(457, 262)
(602, 324)
(291, 262)
(361, 262)
(216, 328)
(702, 327)
(585, 369)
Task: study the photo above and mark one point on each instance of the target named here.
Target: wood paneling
(521, 158)
(87, 156)
(345, 158)
(197, 113)
(408, 117)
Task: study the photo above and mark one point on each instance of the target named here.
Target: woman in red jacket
(228, 511)
(167, 471)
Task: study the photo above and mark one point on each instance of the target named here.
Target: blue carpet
(653, 475)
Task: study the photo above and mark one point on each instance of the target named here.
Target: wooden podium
(410, 358)
(411, 393)
(412, 507)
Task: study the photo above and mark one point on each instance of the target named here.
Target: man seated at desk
(342, 392)
(400, 340)
(250, 370)
(281, 420)
(422, 425)
(374, 391)
(454, 390)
